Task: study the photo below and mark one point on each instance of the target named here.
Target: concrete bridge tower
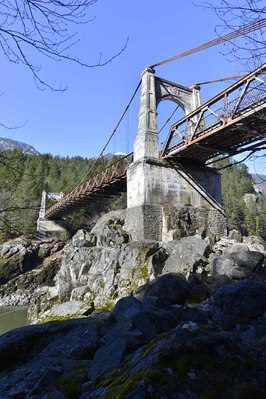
(157, 188)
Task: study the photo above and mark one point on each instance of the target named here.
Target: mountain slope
(260, 181)
(8, 144)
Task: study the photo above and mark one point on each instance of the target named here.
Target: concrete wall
(155, 185)
(155, 182)
(51, 228)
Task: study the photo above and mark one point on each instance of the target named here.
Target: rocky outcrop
(25, 266)
(172, 287)
(238, 303)
(186, 254)
(237, 262)
(144, 348)
(179, 319)
(103, 265)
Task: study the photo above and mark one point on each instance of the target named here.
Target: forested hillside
(245, 208)
(24, 177)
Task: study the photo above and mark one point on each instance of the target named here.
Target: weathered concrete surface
(153, 91)
(154, 186)
(146, 143)
(51, 228)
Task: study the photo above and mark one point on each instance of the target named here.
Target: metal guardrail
(245, 97)
(248, 94)
(91, 188)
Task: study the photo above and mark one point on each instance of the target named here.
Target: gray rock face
(154, 341)
(83, 239)
(238, 303)
(94, 269)
(255, 244)
(37, 356)
(171, 287)
(235, 235)
(24, 267)
(100, 267)
(100, 275)
(237, 262)
(109, 229)
(19, 256)
(185, 254)
(93, 358)
(131, 325)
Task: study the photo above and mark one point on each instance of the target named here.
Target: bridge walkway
(230, 123)
(110, 182)
(225, 125)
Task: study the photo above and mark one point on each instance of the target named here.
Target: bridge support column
(154, 186)
(144, 214)
(47, 227)
(157, 190)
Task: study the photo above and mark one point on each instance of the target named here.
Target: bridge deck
(229, 123)
(111, 181)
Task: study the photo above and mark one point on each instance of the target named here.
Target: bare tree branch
(44, 27)
(233, 14)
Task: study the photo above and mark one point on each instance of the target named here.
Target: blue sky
(79, 120)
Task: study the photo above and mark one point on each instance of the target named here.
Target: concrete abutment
(156, 187)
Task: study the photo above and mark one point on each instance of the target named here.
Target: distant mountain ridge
(260, 181)
(110, 155)
(9, 145)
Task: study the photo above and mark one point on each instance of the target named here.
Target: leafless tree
(249, 50)
(45, 27)
(233, 14)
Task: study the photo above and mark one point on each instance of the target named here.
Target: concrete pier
(47, 227)
(154, 185)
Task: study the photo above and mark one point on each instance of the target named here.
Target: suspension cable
(168, 119)
(220, 80)
(113, 132)
(229, 36)
(248, 28)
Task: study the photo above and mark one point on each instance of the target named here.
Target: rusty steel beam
(222, 128)
(223, 122)
(111, 181)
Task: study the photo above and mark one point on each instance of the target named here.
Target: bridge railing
(70, 202)
(238, 99)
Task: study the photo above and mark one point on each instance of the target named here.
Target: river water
(12, 317)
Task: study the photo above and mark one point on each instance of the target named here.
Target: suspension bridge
(228, 124)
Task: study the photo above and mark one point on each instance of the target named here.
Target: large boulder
(101, 275)
(131, 325)
(172, 287)
(94, 269)
(44, 360)
(237, 262)
(109, 229)
(186, 254)
(21, 255)
(237, 303)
